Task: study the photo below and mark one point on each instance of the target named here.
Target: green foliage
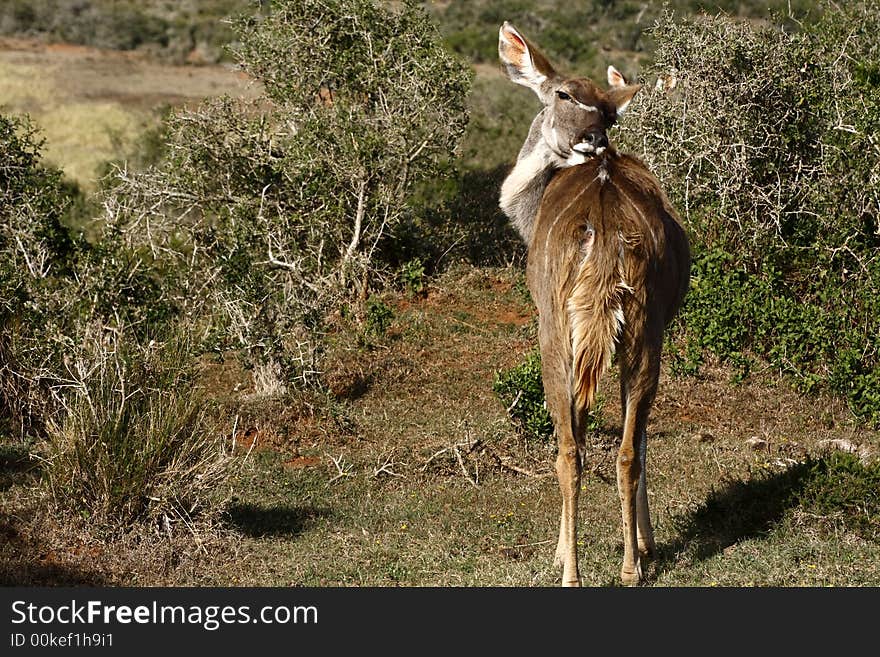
(412, 275)
(575, 33)
(842, 487)
(274, 212)
(135, 442)
(777, 179)
(36, 254)
(54, 286)
(171, 30)
(378, 318)
(521, 390)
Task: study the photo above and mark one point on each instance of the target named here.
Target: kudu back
(608, 267)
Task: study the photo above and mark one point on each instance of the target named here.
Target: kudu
(608, 267)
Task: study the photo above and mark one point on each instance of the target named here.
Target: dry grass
(409, 474)
(92, 104)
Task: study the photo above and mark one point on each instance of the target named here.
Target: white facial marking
(588, 108)
(584, 147)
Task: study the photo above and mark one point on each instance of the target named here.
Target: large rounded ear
(524, 63)
(622, 95)
(615, 78)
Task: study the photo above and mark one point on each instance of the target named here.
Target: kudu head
(577, 114)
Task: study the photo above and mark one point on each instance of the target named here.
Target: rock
(757, 443)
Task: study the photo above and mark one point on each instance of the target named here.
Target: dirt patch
(298, 462)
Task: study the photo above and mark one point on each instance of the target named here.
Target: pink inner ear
(513, 37)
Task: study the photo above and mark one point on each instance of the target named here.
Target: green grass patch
(835, 490)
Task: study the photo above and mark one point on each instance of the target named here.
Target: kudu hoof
(630, 579)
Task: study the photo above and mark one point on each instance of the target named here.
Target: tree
(274, 208)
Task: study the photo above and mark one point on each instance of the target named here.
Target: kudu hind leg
(557, 391)
(644, 529)
(568, 470)
(638, 386)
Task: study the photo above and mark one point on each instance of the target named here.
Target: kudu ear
(615, 78)
(621, 95)
(524, 63)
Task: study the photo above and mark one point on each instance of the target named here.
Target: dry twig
(343, 469)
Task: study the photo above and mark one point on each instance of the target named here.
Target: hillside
(93, 105)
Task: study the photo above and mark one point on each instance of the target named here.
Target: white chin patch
(583, 151)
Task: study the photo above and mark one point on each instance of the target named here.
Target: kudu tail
(595, 311)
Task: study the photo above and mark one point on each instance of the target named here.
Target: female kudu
(608, 267)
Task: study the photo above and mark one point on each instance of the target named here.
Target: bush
(521, 390)
(136, 442)
(768, 145)
(53, 284)
(36, 255)
(171, 30)
(274, 212)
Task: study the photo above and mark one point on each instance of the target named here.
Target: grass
(409, 472)
(435, 490)
(136, 440)
(80, 136)
(92, 106)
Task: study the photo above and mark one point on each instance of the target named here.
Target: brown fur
(608, 267)
(606, 246)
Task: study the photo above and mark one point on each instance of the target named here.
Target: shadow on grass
(259, 521)
(356, 388)
(736, 511)
(25, 561)
(16, 466)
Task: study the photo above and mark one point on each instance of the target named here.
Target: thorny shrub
(36, 256)
(53, 284)
(768, 142)
(273, 212)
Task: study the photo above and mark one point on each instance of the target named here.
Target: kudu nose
(596, 139)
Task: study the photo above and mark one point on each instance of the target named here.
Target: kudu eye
(562, 95)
